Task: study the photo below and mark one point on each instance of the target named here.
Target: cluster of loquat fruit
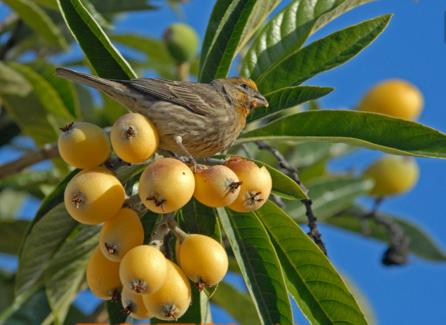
(393, 175)
(150, 284)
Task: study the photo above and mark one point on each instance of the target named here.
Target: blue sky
(413, 47)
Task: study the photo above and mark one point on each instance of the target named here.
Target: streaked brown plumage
(205, 118)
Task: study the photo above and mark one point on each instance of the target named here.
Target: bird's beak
(259, 101)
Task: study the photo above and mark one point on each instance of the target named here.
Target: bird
(196, 120)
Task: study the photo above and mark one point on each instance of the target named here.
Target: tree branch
(398, 249)
(292, 172)
(48, 151)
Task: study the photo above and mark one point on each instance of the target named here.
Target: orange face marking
(240, 80)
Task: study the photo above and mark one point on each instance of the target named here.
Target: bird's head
(245, 92)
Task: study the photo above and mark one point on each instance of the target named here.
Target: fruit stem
(161, 230)
(178, 232)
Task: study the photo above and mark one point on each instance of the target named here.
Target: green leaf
(52, 199)
(318, 289)
(10, 203)
(238, 304)
(56, 111)
(32, 310)
(65, 273)
(12, 82)
(103, 56)
(11, 235)
(287, 31)
(225, 29)
(421, 243)
(18, 98)
(259, 13)
(288, 97)
(117, 6)
(197, 218)
(65, 89)
(50, 4)
(6, 289)
(39, 21)
(330, 196)
(321, 55)
(309, 153)
(115, 314)
(259, 265)
(40, 246)
(283, 185)
(29, 181)
(369, 130)
(158, 58)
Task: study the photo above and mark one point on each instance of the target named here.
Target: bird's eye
(244, 86)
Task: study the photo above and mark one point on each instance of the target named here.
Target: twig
(161, 230)
(397, 251)
(292, 172)
(48, 151)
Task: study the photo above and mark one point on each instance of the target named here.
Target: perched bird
(192, 119)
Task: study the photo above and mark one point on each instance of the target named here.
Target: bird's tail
(115, 89)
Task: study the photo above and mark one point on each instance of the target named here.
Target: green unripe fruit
(392, 175)
(181, 41)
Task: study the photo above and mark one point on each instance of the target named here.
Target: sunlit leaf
(368, 130)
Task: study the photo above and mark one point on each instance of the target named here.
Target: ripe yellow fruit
(172, 300)
(102, 276)
(134, 138)
(143, 269)
(392, 175)
(83, 145)
(166, 185)
(396, 98)
(216, 186)
(256, 184)
(203, 259)
(133, 304)
(120, 234)
(94, 196)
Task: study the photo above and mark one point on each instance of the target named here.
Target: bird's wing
(196, 97)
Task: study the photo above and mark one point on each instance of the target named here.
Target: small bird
(193, 119)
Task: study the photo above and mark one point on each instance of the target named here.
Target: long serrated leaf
(158, 58)
(322, 55)
(287, 31)
(65, 273)
(39, 21)
(64, 88)
(318, 289)
(56, 111)
(226, 26)
(41, 244)
(421, 243)
(200, 219)
(238, 304)
(288, 97)
(17, 97)
(118, 6)
(103, 56)
(283, 185)
(259, 13)
(363, 129)
(12, 233)
(259, 265)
